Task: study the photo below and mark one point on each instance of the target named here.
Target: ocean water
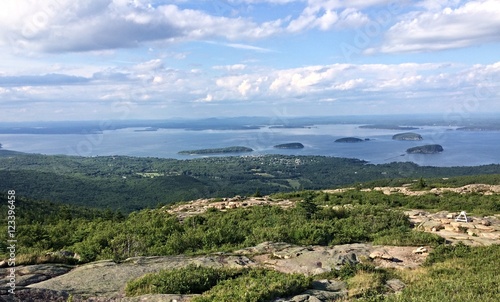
(461, 148)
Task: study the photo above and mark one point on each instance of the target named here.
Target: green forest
(129, 183)
(317, 219)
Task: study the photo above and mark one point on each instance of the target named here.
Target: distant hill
(4, 152)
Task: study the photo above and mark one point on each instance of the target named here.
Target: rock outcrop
(106, 280)
(477, 231)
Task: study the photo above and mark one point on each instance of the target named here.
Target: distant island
(479, 128)
(426, 149)
(291, 127)
(290, 146)
(388, 127)
(149, 129)
(407, 136)
(350, 140)
(233, 149)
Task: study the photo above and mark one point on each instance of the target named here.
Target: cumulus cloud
(95, 25)
(153, 85)
(73, 26)
(164, 73)
(440, 28)
(326, 16)
(341, 81)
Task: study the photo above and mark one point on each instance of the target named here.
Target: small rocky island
(290, 146)
(233, 149)
(426, 149)
(350, 140)
(407, 136)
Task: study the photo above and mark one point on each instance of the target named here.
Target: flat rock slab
(29, 274)
(107, 279)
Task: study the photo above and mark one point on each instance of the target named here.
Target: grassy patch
(366, 284)
(408, 238)
(220, 284)
(258, 285)
(188, 280)
(455, 273)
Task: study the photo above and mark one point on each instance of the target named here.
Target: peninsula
(426, 149)
(290, 146)
(233, 149)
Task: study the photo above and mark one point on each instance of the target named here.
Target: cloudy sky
(138, 59)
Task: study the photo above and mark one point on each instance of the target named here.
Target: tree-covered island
(407, 136)
(426, 149)
(290, 146)
(233, 149)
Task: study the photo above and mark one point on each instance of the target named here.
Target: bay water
(461, 148)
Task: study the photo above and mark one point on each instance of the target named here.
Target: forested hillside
(319, 219)
(130, 183)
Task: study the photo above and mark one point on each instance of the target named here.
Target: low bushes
(188, 280)
(220, 284)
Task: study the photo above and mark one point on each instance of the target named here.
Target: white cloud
(327, 15)
(440, 28)
(233, 67)
(147, 86)
(244, 46)
(357, 82)
(101, 25)
(149, 65)
(72, 26)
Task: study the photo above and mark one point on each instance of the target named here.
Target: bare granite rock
(395, 285)
(104, 281)
(37, 295)
(107, 279)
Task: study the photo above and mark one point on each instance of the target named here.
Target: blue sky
(121, 59)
